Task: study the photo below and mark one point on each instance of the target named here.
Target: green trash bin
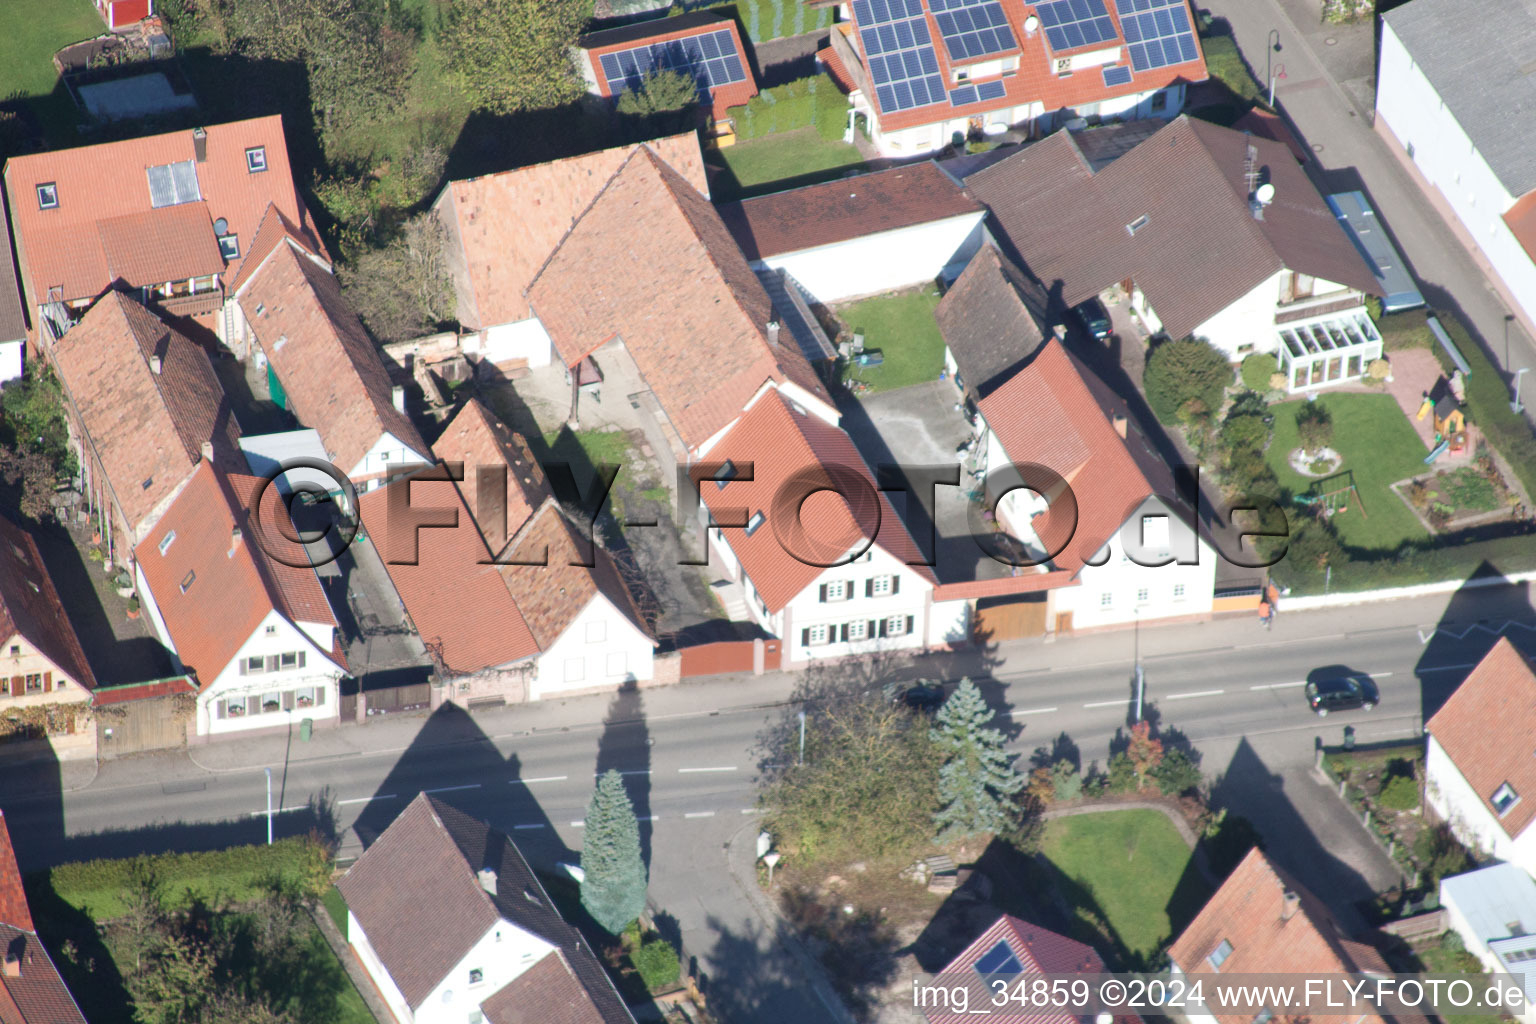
(306, 727)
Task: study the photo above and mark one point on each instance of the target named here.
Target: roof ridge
(1249, 222)
(576, 221)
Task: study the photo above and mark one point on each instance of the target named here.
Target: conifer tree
(978, 783)
(613, 886)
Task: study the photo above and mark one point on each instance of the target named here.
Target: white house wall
(375, 968)
(1247, 325)
(521, 339)
(1412, 111)
(501, 954)
(1454, 800)
(949, 622)
(807, 610)
(600, 647)
(881, 262)
(386, 456)
(318, 672)
(1477, 945)
(11, 360)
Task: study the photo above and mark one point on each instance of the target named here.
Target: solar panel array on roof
(1157, 32)
(173, 184)
(972, 28)
(1117, 76)
(1073, 23)
(899, 52)
(991, 90)
(711, 60)
(999, 960)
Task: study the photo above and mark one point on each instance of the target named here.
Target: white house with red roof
(925, 71)
(824, 560)
(1478, 769)
(1097, 501)
(240, 607)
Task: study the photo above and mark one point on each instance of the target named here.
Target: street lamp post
(269, 806)
(802, 736)
(1270, 50)
(1515, 406)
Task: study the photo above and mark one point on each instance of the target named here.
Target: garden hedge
(814, 101)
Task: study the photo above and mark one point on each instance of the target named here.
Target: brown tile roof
(990, 319)
(1055, 413)
(416, 893)
(546, 993)
(781, 441)
(836, 211)
(327, 364)
(1201, 248)
(65, 246)
(141, 425)
(1486, 727)
(457, 602)
(274, 228)
(233, 583)
(833, 62)
(1250, 912)
(126, 692)
(550, 596)
(38, 995)
(652, 263)
(478, 439)
(13, 898)
(30, 606)
(172, 244)
(502, 227)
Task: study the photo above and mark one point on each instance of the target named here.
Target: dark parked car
(1095, 320)
(1344, 691)
(922, 696)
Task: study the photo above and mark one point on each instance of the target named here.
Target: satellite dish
(221, 226)
(1031, 23)
(1265, 193)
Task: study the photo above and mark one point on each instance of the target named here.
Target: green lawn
(1127, 873)
(27, 46)
(336, 906)
(785, 160)
(1438, 959)
(901, 327)
(1379, 446)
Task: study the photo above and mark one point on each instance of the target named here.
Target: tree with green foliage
(614, 879)
(1179, 373)
(402, 289)
(978, 783)
(173, 983)
(514, 55)
(662, 91)
(32, 415)
(1314, 425)
(1257, 369)
(1177, 773)
(656, 960)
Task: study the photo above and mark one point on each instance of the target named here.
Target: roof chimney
(1120, 424)
(397, 395)
(487, 877)
(1289, 904)
(155, 364)
(773, 332)
(207, 451)
(200, 144)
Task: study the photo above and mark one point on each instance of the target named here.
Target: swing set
(1332, 495)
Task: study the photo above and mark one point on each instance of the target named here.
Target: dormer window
(47, 196)
(476, 976)
(256, 159)
(229, 247)
(1219, 955)
(1504, 798)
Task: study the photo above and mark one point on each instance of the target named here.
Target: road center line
(1196, 693)
(1278, 686)
(1030, 711)
(699, 814)
(749, 810)
(365, 799)
(725, 768)
(280, 810)
(1108, 703)
(545, 778)
(578, 824)
(452, 789)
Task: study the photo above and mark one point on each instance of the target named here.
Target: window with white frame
(858, 630)
(47, 196)
(1504, 798)
(1178, 591)
(882, 586)
(476, 976)
(1219, 955)
(167, 541)
(815, 636)
(1106, 600)
(898, 625)
(1142, 595)
(755, 522)
(256, 159)
(836, 590)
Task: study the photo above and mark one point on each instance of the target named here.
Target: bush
(1121, 777)
(1314, 425)
(814, 101)
(1244, 434)
(656, 961)
(1178, 773)
(1067, 784)
(1258, 369)
(1186, 378)
(1440, 854)
(1399, 793)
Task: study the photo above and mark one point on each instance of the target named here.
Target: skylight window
(1504, 798)
(229, 247)
(1219, 955)
(167, 541)
(173, 184)
(1136, 225)
(726, 474)
(186, 582)
(998, 960)
(47, 196)
(756, 521)
(256, 159)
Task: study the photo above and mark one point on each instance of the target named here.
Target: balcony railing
(1301, 309)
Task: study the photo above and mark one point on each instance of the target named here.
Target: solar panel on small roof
(710, 60)
(991, 90)
(1117, 76)
(1073, 23)
(1157, 32)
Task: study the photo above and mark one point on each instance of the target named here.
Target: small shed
(703, 45)
(121, 15)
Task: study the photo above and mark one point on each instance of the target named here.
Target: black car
(1095, 321)
(923, 696)
(1340, 693)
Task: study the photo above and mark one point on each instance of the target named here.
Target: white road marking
(526, 826)
(279, 810)
(1378, 675)
(578, 824)
(452, 789)
(1030, 711)
(365, 799)
(749, 810)
(726, 768)
(648, 817)
(1196, 693)
(699, 814)
(1108, 703)
(1278, 686)
(545, 778)
(1446, 668)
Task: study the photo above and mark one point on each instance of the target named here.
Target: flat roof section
(1361, 224)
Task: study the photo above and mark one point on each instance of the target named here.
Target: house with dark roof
(452, 925)
(925, 72)
(863, 235)
(1261, 921)
(502, 227)
(168, 216)
(240, 607)
(650, 289)
(1478, 769)
(146, 409)
(793, 515)
(704, 45)
(990, 320)
(1096, 502)
(31, 989)
(41, 661)
(322, 365)
(1442, 64)
(1204, 231)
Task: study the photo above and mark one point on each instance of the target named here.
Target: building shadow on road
(1488, 606)
(625, 747)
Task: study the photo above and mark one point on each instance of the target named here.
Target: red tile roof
(1036, 80)
(1485, 728)
(659, 31)
(274, 228)
(30, 606)
(13, 898)
(327, 364)
(67, 247)
(127, 692)
(38, 995)
(456, 600)
(234, 581)
(502, 227)
(1055, 413)
(476, 438)
(1200, 248)
(837, 211)
(781, 442)
(990, 320)
(1251, 912)
(651, 263)
(829, 59)
(140, 425)
(546, 993)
